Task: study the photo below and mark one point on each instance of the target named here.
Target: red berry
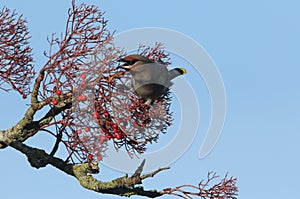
(90, 156)
(79, 131)
(87, 129)
(81, 98)
(108, 136)
(95, 115)
(102, 139)
(118, 136)
(24, 96)
(58, 92)
(83, 75)
(84, 97)
(99, 157)
(55, 102)
(83, 84)
(106, 114)
(114, 126)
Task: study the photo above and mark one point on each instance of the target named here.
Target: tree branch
(56, 145)
(16, 62)
(26, 127)
(123, 186)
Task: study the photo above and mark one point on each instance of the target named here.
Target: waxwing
(150, 80)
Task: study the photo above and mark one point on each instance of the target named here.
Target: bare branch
(16, 62)
(225, 189)
(139, 170)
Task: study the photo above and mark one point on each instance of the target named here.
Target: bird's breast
(150, 91)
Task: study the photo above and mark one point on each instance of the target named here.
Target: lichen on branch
(123, 186)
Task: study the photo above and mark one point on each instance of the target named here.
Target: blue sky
(255, 45)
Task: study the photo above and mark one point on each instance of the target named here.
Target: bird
(149, 79)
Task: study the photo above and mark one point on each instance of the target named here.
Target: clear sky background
(255, 45)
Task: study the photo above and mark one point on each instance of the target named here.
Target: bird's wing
(150, 74)
(160, 75)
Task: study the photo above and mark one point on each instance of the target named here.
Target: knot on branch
(87, 168)
(38, 158)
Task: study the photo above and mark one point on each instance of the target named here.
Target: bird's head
(133, 60)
